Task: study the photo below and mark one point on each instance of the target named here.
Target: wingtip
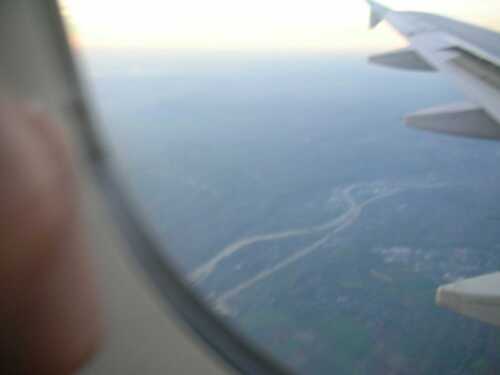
(374, 20)
(477, 298)
(377, 13)
(376, 6)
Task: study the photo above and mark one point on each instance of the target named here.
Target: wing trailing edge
(462, 119)
(405, 58)
(477, 298)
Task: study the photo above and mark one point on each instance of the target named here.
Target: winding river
(345, 220)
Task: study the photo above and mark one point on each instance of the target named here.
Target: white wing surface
(468, 55)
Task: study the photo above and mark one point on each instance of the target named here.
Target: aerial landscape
(287, 190)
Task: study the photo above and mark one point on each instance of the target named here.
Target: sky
(325, 25)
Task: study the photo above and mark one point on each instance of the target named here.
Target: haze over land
(287, 189)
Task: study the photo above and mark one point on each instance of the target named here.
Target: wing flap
(406, 59)
(478, 297)
(463, 119)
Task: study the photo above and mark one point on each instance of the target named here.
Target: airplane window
(266, 142)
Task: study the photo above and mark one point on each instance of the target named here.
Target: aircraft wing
(468, 55)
